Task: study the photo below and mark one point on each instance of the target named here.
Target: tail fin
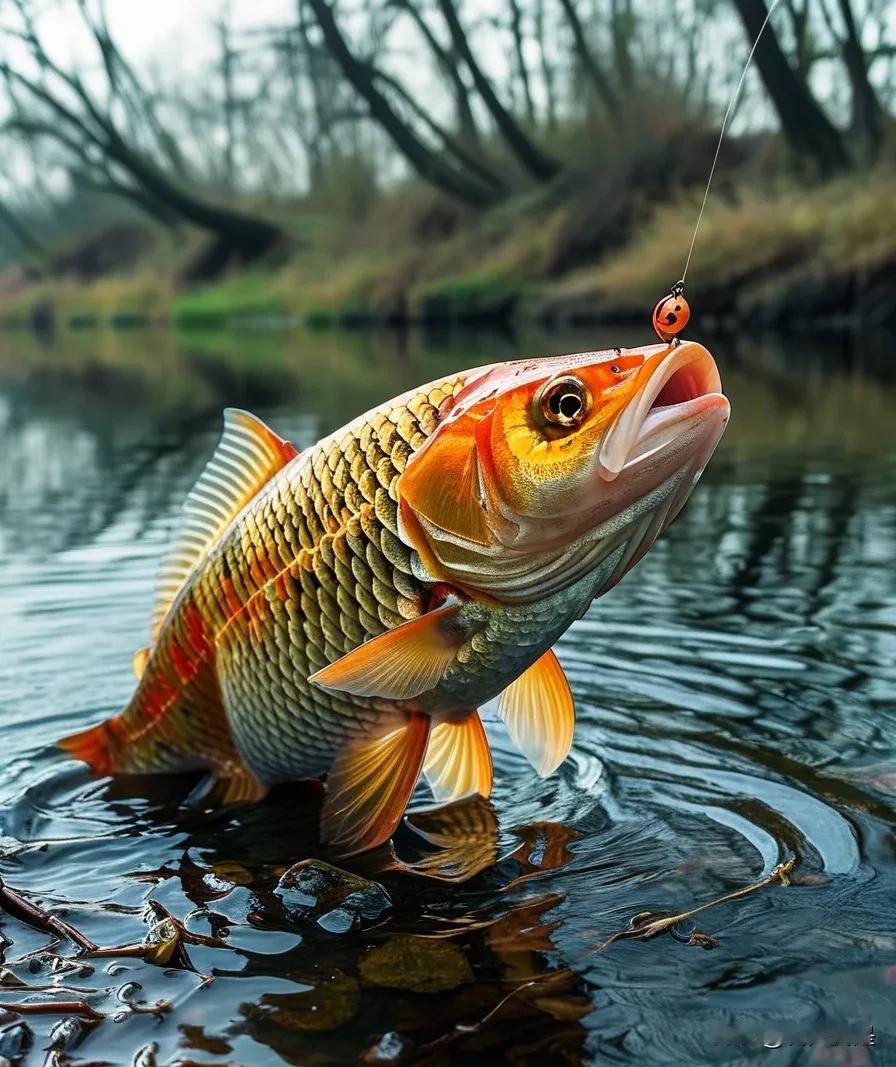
(96, 747)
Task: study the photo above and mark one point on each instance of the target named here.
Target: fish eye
(616, 369)
(562, 402)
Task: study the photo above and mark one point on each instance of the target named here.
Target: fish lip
(644, 428)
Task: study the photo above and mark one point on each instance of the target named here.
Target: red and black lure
(671, 314)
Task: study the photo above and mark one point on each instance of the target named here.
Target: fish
(344, 612)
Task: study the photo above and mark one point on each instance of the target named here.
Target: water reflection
(735, 703)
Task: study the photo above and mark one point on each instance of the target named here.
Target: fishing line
(672, 313)
(731, 103)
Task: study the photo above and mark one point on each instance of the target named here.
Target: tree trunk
(622, 29)
(427, 163)
(808, 131)
(516, 26)
(602, 84)
(547, 70)
(537, 163)
(248, 236)
(448, 66)
(229, 104)
(463, 152)
(867, 117)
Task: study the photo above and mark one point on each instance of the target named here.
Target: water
(735, 704)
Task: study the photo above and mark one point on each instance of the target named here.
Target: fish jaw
(679, 410)
(653, 455)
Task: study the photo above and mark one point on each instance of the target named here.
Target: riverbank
(783, 256)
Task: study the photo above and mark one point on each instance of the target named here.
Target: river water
(736, 702)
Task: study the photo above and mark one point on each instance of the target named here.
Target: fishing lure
(671, 314)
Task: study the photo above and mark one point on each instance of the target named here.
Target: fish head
(546, 469)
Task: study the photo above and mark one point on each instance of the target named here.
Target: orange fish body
(346, 610)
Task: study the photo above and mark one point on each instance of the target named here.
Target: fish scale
(337, 505)
(311, 568)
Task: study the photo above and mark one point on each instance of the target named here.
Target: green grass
(415, 258)
(237, 297)
(478, 294)
(747, 251)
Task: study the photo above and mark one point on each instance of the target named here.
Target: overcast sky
(155, 29)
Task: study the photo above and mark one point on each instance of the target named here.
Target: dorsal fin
(248, 455)
(141, 658)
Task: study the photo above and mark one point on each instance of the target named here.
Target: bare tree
(449, 67)
(622, 32)
(226, 64)
(12, 222)
(808, 131)
(867, 118)
(103, 152)
(537, 162)
(457, 180)
(592, 69)
(548, 76)
(522, 70)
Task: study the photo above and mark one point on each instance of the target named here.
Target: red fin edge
(94, 747)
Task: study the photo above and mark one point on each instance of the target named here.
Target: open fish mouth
(676, 418)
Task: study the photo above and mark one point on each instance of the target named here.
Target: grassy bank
(783, 255)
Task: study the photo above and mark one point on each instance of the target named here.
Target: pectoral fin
(539, 713)
(458, 759)
(401, 663)
(370, 784)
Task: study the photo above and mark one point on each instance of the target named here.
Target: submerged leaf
(330, 1004)
(419, 964)
(196, 1037)
(233, 872)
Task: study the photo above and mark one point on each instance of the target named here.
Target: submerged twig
(29, 913)
(164, 943)
(402, 1053)
(52, 1007)
(642, 927)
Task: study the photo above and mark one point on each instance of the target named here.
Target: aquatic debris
(388, 1049)
(329, 1003)
(29, 913)
(52, 1007)
(164, 944)
(335, 900)
(523, 928)
(546, 993)
(64, 1035)
(125, 995)
(419, 964)
(15, 1041)
(646, 925)
(147, 1056)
